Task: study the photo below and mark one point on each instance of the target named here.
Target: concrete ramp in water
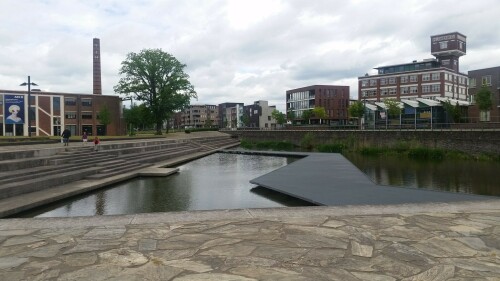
(330, 179)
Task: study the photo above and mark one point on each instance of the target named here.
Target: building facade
(259, 115)
(334, 99)
(51, 112)
(199, 116)
(491, 78)
(230, 114)
(437, 79)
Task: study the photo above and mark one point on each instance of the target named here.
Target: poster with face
(14, 109)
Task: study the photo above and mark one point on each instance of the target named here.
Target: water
(464, 176)
(218, 181)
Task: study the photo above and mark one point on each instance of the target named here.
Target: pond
(217, 181)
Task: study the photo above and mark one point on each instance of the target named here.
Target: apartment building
(334, 99)
(491, 78)
(259, 115)
(198, 116)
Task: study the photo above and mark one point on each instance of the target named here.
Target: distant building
(334, 99)
(198, 116)
(230, 114)
(259, 115)
(491, 78)
(52, 112)
(437, 79)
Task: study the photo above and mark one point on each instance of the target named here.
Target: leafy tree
(307, 114)
(209, 123)
(319, 112)
(104, 116)
(454, 112)
(138, 116)
(393, 108)
(158, 79)
(483, 99)
(291, 115)
(356, 109)
(280, 117)
(245, 119)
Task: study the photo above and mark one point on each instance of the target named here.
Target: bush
(332, 148)
(307, 141)
(423, 153)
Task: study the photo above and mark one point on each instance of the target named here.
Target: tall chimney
(97, 67)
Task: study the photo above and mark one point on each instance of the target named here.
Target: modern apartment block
(438, 78)
(51, 112)
(260, 115)
(198, 116)
(334, 99)
(230, 114)
(491, 78)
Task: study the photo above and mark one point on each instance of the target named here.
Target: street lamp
(29, 84)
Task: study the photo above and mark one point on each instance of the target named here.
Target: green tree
(290, 115)
(158, 79)
(454, 112)
(138, 117)
(280, 117)
(483, 99)
(356, 109)
(392, 106)
(319, 112)
(209, 123)
(307, 114)
(104, 116)
(245, 119)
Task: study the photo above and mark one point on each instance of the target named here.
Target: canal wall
(468, 141)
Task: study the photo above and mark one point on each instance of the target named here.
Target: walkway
(404, 242)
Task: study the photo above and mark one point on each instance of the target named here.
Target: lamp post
(29, 84)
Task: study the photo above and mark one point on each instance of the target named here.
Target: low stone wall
(473, 142)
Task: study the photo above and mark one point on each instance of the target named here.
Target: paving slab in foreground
(330, 179)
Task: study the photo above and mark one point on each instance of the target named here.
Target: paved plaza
(445, 241)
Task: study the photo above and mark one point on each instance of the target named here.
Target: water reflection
(218, 181)
(455, 176)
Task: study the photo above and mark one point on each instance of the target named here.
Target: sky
(236, 50)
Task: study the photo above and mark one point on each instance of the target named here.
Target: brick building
(198, 116)
(51, 112)
(334, 99)
(491, 78)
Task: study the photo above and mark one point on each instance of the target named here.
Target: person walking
(96, 143)
(66, 134)
(85, 137)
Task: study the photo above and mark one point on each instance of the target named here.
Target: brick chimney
(96, 57)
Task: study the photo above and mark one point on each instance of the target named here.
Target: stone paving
(452, 241)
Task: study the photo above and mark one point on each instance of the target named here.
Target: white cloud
(236, 50)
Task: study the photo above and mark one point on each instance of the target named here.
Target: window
(86, 115)
(268, 118)
(364, 83)
(70, 115)
(436, 88)
(413, 78)
(392, 80)
(373, 82)
(404, 79)
(70, 101)
(443, 45)
(472, 82)
(484, 115)
(445, 62)
(405, 90)
(384, 92)
(383, 81)
(426, 88)
(426, 77)
(435, 76)
(486, 80)
(86, 102)
(414, 90)
(392, 91)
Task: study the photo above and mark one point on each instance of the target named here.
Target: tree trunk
(158, 127)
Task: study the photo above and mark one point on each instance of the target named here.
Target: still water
(464, 176)
(218, 181)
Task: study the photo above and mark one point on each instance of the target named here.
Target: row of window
(72, 102)
(85, 115)
(435, 76)
(300, 96)
(485, 80)
(436, 88)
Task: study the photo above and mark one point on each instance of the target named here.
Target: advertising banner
(14, 109)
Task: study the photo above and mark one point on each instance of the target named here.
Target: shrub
(332, 148)
(307, 141)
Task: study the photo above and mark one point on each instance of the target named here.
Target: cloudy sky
(236, 50)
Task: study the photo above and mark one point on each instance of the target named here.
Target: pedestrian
(66, 134)
(96, 143)
(85, 137)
